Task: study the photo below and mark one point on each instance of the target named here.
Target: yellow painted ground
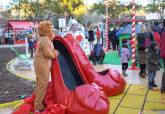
(135, 99)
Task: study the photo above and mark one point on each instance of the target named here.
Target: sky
(143, 2)
(4, 2)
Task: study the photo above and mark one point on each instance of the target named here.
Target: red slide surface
(110, 80)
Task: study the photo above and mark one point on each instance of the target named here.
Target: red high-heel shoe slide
(110, 80)
(69, 90)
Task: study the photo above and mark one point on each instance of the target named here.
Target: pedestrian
(162, 55)
(113, 39)
(125, 56)
(141, 42)
(31, 45)
(98, 35)
(142, 62)
(91, 39)
(152, 65)
(45, 52)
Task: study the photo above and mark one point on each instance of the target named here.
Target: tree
(99, 8)
(29, 9)
(156, 6)
(4, 16)
(115, 8)
(80, 13)
(70, 6)
(38, 10)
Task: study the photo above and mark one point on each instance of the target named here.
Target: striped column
(133, 34)
(107, 27)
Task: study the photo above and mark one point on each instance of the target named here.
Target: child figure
(152, 65)
(125, 56)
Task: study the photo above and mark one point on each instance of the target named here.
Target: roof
(21, 24)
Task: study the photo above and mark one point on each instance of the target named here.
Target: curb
(15, 45)
(18, 75)
(17, 102)
(10, 104)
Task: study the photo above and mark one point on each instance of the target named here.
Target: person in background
(98, 35)
(157, 41)
(142, 62)
(35, 44)
(91, 39)
(117, 41)
(113, 39)
(31, 45)
(152, 65)
(162, 55)
(125, 56)
(141, 42)
(45, 52)
(157, 38)
(157, 27)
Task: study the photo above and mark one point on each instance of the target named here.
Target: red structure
(110, 80)
(16, 31)
(74, 87)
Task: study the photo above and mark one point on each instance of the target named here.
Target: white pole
(26, 44)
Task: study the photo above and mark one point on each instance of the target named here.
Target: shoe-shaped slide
(68, 92)
(110, 80)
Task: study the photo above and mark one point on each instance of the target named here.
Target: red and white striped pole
(133, 34)
(107, 27)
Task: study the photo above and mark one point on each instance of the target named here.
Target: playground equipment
(75, 83)
(110, 80)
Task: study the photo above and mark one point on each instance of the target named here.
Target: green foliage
(70, 5)
(41, 9)
(30, 9)
(156, 6)
(5, 15)
(98, 8)
(80, 13)
(115, 8)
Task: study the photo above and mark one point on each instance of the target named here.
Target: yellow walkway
(136, 99)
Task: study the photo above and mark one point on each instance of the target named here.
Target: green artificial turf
(113, 58)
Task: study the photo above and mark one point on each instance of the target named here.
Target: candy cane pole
(107, 27)
(133, 34)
